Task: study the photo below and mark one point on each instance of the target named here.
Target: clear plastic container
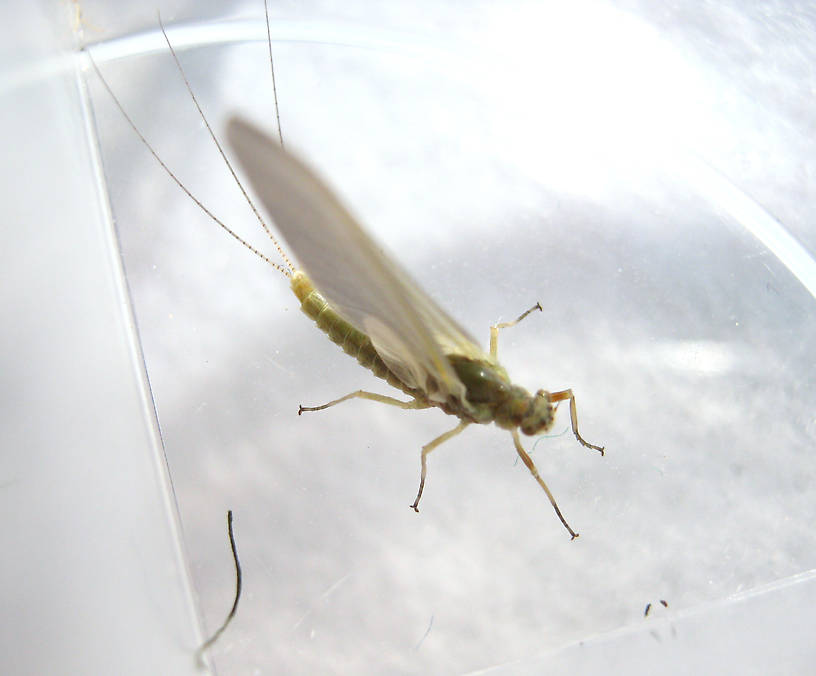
(641, 177)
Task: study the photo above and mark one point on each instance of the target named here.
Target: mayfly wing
(408, 329)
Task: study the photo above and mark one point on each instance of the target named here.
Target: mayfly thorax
(368, 305)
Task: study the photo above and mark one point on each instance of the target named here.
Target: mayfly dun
(367, 304)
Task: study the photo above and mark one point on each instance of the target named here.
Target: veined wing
(409, 330)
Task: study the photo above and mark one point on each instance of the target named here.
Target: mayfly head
(539, 415)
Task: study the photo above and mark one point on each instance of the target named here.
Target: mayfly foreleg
(426, 449)
(414, 404)
(567, 394)
(534, 471)
(494, 330)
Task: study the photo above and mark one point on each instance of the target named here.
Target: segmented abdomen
(354, 342)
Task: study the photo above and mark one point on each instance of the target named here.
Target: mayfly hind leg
(534, 471)
(494, 330)
(414, 404)
(568, 395)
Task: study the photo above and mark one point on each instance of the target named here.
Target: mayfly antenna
(222, 153)
(272, 69)
(175, 178)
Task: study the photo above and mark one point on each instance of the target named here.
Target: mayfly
(367, 304)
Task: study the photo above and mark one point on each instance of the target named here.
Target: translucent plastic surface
(641, 177)
(93, 579)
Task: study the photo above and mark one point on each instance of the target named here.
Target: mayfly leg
(494, 330)
(534, 471)
(426, 449)
(555, 397)
(567, 394)
(414, 404)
